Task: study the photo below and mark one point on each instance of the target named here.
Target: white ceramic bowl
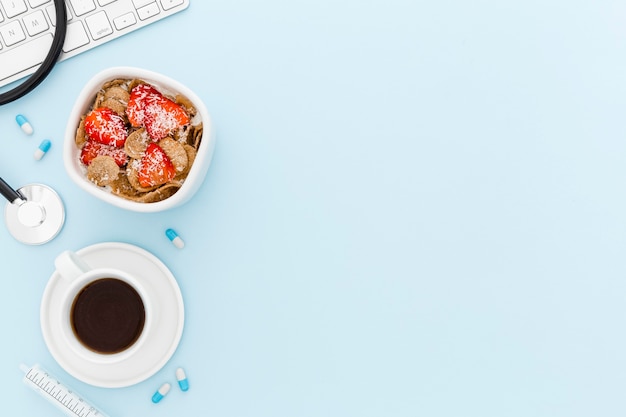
(71, 152)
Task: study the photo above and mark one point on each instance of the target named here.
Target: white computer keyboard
(27, 28)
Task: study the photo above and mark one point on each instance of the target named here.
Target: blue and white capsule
(43, 148)
(174, 238)
(24, 124)
(183, 383)
(161, 392)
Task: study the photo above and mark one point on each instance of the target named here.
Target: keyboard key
(36, 3)
(148, 11)
(105, 2)
(99, 25)
(75, 36)
(26, 56)
(35, 23)
(13, 7)
(170, 4)
(12, 33)
(124, 21)
(141, 3)
(82, 6)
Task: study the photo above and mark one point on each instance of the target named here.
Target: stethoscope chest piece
(37, 217)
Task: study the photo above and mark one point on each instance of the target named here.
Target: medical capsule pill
(183, 383)
(161, 392)
(44, 146)
(174, 238)
(24, 124)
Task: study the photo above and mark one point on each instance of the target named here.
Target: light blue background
(415, 208)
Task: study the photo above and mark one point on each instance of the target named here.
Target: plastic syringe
(59, 394)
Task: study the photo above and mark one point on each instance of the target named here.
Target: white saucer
(168, 320)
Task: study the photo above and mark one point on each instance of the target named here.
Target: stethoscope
(35, 213)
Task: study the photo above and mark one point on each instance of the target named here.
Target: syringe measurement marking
(72, 407)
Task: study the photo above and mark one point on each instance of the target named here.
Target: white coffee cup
(112, 329)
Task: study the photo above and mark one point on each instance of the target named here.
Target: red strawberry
(160, 115)
(163, 118)
(155, 167)
(105, 126)
(91, 149)
(139, 98)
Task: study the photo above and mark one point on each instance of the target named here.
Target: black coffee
(107, 316)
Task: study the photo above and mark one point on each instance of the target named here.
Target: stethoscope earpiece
(35, 213)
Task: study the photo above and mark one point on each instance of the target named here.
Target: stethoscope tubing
(48, 63)
(9, 192)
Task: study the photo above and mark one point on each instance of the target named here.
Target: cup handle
(70, 266)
